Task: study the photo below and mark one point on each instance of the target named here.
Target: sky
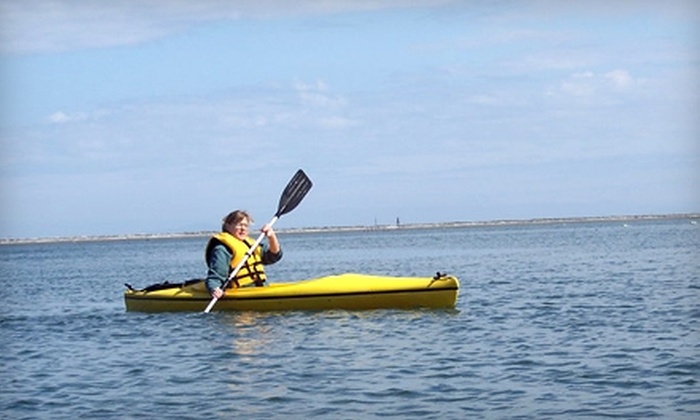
(155, 116)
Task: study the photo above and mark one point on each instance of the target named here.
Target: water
(553, 321)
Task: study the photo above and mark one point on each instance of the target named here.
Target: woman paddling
(227, 249)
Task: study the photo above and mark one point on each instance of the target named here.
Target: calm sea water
(553, 321)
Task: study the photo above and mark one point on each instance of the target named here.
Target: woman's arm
(218, 263)
(273, 252)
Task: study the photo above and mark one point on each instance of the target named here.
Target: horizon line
(357, 228)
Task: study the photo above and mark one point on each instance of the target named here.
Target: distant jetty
(692, 217)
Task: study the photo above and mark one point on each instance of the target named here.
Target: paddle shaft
(240, 265)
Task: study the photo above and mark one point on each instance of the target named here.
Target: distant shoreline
(444, 225)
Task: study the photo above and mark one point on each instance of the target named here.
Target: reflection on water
(250, 337)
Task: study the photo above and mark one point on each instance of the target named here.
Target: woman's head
(237, 223)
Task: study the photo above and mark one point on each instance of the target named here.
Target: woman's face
(240, 229)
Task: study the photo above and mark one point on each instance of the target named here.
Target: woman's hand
(217, 293)
(267, 230)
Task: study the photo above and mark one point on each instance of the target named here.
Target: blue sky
(161, 116)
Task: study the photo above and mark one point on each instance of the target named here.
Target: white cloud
(46, 26)
(58, 117)
(620, 79)
(495, 99)
(671, 8)
(61, 117)
(40, 26)
(224, 126)
(579, 84)
(317, 95)
(337, 122)
(588, 85)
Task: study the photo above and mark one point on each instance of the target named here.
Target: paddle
(292, 195)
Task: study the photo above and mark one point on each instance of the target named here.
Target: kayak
(345, 291)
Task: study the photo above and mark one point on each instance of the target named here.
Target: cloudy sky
(161, 116)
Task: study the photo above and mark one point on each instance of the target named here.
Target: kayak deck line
(307, 296)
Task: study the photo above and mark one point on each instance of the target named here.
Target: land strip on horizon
(382, 227)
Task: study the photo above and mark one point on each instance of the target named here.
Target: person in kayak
(225, 251)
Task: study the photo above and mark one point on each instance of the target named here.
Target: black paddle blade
(296, 190)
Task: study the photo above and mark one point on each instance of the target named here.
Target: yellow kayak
(346, 291)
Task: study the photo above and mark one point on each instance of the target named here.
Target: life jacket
(252, 271)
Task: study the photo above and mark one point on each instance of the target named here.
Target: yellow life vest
(253, 271)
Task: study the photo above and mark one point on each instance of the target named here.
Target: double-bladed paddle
(292, 195)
